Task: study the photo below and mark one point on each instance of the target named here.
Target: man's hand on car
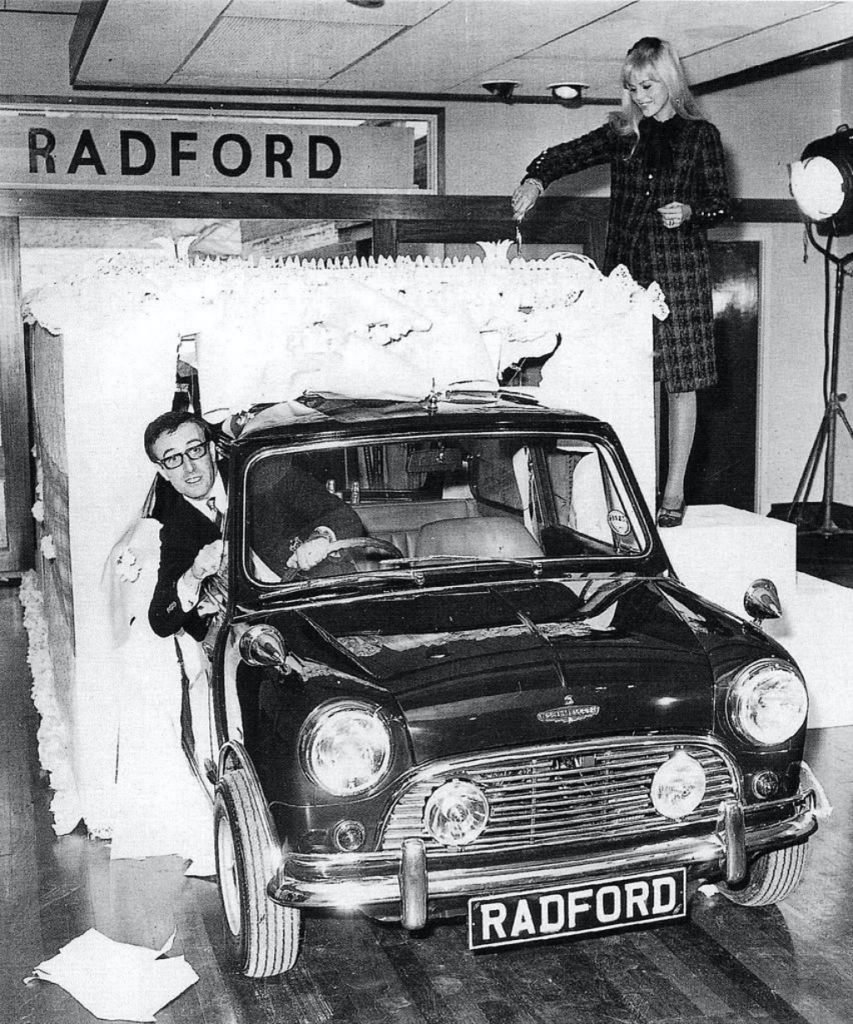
(207, 561)
(311, 551)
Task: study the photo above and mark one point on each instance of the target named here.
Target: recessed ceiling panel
(690, 25)
(467, 39)
(144, 43)
(796, 35)
(434, 46)
(263, 50)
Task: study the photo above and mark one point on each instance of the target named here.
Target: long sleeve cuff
(713, 213)
(188, 589)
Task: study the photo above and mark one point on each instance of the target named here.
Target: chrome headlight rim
(739, 693)
(321, 717)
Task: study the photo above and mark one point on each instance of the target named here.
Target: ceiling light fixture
(501, 90)
(569, 94)
(367, 3)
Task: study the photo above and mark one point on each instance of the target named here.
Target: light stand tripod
(824, 442)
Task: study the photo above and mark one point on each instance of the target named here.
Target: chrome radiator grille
(564, 794)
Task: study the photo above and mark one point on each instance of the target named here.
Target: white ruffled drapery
(264, 333)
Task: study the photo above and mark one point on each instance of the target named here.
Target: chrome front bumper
(403, 885)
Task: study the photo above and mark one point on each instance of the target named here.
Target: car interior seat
(484, 536)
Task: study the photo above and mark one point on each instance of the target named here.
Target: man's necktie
(217, 515)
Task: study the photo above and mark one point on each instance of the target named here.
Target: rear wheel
(264, 935)
(772, 877)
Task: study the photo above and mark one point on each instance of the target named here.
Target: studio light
(822, 182)
(822, 186)
(501, 90)
(569, 94)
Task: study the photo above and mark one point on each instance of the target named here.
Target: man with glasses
(191, 511)
(307, 517)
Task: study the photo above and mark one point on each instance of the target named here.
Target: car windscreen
(429, 501)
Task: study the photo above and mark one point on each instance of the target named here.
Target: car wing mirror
(262, 646)
(761, 601)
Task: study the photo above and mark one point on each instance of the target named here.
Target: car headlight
(345, 747)
(768, 702)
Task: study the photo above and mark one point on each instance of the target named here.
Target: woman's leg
(682, 427)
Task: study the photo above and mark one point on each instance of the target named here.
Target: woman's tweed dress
(677, 258)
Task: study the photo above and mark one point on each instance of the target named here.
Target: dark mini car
(498, 702)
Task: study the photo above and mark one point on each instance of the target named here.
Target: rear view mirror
(434, 460)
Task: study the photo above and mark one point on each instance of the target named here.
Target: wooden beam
(17, 554)
(385, 238)
(453, 210)
(840, 50)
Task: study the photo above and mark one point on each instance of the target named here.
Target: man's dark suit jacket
(285, 504)
(184, 532)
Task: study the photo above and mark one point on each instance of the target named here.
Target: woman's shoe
(671, 516)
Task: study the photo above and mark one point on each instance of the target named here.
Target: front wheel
(772, 877)
(264, 936)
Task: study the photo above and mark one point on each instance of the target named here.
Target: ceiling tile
(798, 34)
(467, 39)
(435, 46)
(136, 44)
(690, 25)
(280, 51)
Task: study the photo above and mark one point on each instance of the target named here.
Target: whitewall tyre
(772, 877)
(264, 936)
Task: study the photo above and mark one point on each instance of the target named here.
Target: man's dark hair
(168, 423)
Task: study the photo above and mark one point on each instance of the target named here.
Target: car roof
(320, 413)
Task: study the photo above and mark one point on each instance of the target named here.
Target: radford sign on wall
(134, 153)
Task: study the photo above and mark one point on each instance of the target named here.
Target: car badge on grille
(570, 712)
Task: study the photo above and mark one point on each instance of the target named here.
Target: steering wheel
(371, 547)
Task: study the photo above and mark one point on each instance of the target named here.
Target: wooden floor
(727, 964)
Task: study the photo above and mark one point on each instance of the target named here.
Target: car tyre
(772, 877)
(264, 935)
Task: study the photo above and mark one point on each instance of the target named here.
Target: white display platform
(816, 628)
(719, 551)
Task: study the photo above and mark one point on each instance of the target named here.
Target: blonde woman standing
(668, 184)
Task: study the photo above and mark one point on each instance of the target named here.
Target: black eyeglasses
(194, 452)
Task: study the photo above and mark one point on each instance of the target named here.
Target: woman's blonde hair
(658, 58)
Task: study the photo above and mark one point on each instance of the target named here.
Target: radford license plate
(578, 909)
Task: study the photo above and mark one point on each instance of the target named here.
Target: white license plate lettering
(577, 909)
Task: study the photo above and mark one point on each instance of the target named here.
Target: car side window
(589, 496)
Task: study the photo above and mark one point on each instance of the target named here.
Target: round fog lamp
(456, 813)
(348, 836)
(765, 784)
(678, 786)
